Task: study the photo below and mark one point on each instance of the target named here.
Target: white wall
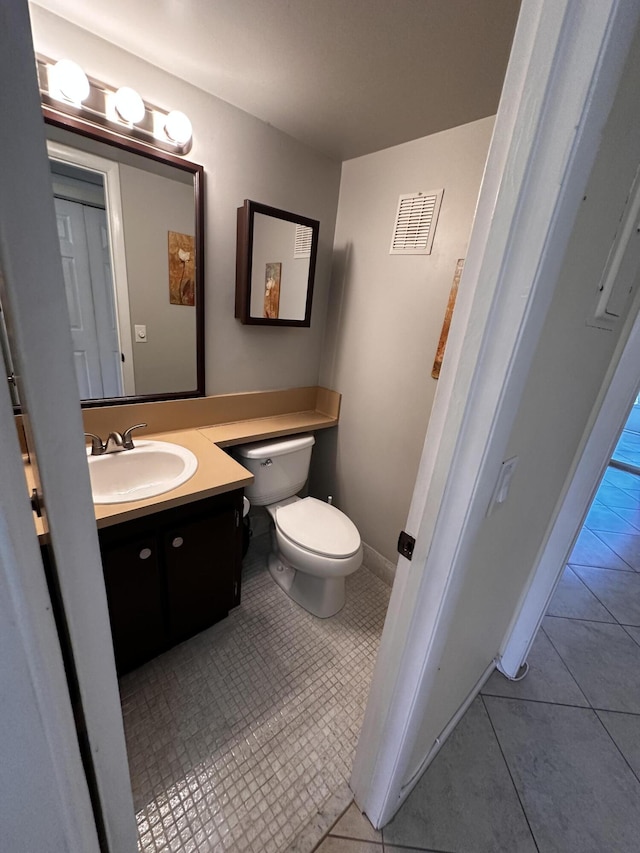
(243, 158)
(153, 205)
(384, 323)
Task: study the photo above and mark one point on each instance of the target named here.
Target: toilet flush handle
(266, 463)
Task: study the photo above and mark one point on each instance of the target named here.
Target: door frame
(563, 73)
(38, 736)
(34, 303)
(110, 172)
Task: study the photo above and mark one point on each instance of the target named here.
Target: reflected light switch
(501, 490)
(141, 334)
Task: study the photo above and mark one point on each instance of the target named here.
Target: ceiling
(346, 77)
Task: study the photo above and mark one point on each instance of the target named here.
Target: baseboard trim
(378, 565)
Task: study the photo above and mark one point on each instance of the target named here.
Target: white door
(563, 74)
(103, 300)
(86, 265)
(33, 299)
(109, 173)
(77, 274)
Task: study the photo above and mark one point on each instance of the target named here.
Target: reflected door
(87, 276)
(103, 300)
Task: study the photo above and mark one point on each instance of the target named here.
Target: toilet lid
(318, 527)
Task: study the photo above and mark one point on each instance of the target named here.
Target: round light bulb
(70, 80)
(178, 127)
(129, 105)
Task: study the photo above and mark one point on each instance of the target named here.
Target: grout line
(355, 838)
(616, 746)
(615, 624)
(506, 764)
(624, 628)
(580, 619)
(628, 571)
(541, 701)
(611, 548)
(615, 711)
(417, 849)
(595, 595)
(562, 704)
(566, 664)
(614, 510)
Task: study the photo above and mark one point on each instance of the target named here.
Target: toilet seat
(319, 528)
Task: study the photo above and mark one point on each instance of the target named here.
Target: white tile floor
(238, 736)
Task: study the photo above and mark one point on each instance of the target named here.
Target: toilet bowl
(315, 546)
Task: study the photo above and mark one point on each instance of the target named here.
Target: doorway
(98, 295)
(80, 203)
(626, 455)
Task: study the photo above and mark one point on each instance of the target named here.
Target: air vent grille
(304, 236)
(416, 223)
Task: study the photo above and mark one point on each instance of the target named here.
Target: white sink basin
(151, 468)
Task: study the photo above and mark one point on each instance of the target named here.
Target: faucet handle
(127, 441)
(97, 447)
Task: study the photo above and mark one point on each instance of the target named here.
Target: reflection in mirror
(129, 226)
(86, 249)
(275, 266)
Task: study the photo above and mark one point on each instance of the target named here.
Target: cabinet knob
(145, 553)
(177, 542)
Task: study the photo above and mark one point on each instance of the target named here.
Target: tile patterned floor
(628, 447)
(238, 736)
(551, 763)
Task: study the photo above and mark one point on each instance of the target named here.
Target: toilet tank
(280, 467)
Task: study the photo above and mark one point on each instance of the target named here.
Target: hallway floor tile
(551, 763)
(574, 600)
(568, 774)
(602, 658)
(466, 800)
(548, 679)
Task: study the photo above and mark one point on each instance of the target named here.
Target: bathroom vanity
(171, 574)
(172, 562)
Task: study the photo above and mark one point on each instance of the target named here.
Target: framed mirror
(130, 223)
(275, 266)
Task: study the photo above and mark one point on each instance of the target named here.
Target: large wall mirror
(275, 266)
(130, 225)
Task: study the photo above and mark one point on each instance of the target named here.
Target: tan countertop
(217, 472)
(256, 429)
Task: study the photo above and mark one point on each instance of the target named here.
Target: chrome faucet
(115, 441)
(127, 441)
(97, 447)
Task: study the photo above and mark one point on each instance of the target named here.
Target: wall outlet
(141, 334)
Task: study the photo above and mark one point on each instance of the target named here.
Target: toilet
(314, 545)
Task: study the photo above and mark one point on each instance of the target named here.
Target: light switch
(501, 490)
(141, 334)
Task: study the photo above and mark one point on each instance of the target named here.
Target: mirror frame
(244, 262)
(84, 128)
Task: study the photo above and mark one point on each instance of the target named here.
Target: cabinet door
(200, 559)
(132, 580)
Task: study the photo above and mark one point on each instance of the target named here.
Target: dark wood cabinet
(171, 574)
(133, 585)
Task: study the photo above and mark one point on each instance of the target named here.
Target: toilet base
(324, 597)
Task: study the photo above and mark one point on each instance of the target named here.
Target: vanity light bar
(65, 88)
